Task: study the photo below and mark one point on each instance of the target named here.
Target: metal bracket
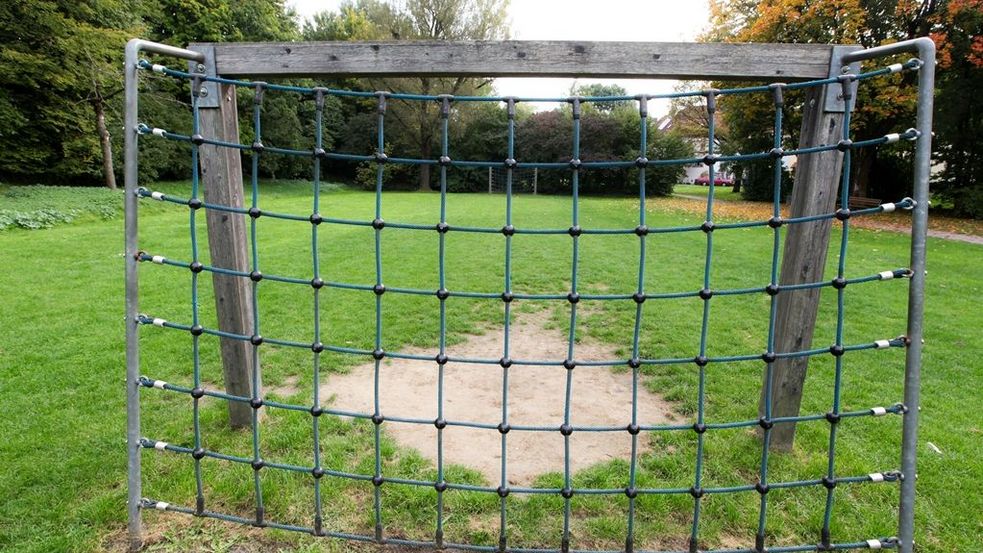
(209, 91)
(833, 102)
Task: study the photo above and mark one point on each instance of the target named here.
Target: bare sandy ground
(600, 397)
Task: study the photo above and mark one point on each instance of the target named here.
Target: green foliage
(38, 207)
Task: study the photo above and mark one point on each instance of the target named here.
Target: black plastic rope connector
(711, 96)
(440, 423)
(442, 293)
(257, 147)
(260, 518)
(503, 428)
(319, 153)
(567, 493)
(317, 283)
(378, 354)
(505, 362)
(777, 93)
(833, 418)
(255, 276)
(315, 219)
(195, 203)
(378, 480)
(843, 214)
(633, 429)
(641, 230)
(444, 161)
(196, 330)
(318, 526)
(575, 106)
(845, 84)
(381, 95)
(510, 163)
(575, 164)
(643, 106)
(569, 364)
(573, 297)
(197, 393)
(837, 350)
(759, 543)
(255, 212)
(256, 403)
(776, 153)
(198, 454)
(641, 162)
(377, 419)
(442, 228)
(696, 492)
(773, 289)
(631, 492)
(381, 157)
(197, 139)
(260, 88)
(699, 427)
(694, 546)
(844, 145)
(379, 289)
(441, 487)
(316, 411)
(824, 541)
(502, 491)
(705, 293)
(256, 339)
(319, 97)
(441, 359)
(701, 360)
(257, 464)
(762, 488)
(829, 483)
(566, 429)
(508, 230)
(707, 227)
(196, 267)
(317, 347)
(769, 357)
(445, 105)
(776, 222)
(196, 85)
(378, 224)
(575, 231)
(638, 297)
(507, 297)
(839, 283)
(766, 423)
(510, 107)
(709, 160)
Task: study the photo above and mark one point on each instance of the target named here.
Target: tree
(416, 124)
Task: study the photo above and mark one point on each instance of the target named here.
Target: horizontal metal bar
(917, 45)
(140, 45)
(668, 60)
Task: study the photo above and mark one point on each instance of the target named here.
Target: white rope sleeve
(160, 446)
(886, 275)
(158, 132)
(157, 68)
(896, 67)
(888, 208)
(881, 344)
(158, 259)
(878, 411)
(876, 477)
(159, 322)
(892, 138)
(157, 196)
(159, 384)
(161, 505)
(874, 544)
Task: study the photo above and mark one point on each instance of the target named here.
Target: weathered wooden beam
(816, 182)
(221, 173)
(668, 60)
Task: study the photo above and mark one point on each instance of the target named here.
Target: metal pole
(489, 180)
(130, 70)
(535, 179)
(925, 49)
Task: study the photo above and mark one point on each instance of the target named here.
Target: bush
(38, 207)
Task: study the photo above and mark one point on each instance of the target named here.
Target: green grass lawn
(62, 380)
(719, 192)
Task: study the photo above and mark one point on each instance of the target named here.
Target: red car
(704, 180)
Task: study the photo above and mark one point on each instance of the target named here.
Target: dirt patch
(600, 397)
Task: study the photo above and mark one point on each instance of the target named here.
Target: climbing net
(510, 167)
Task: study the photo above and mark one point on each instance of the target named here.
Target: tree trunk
(107, 146)
(425, 169)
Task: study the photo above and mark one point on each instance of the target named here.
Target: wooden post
(221, 173)
(816, 182)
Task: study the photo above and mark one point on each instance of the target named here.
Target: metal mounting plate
(834, 93)
(209, 96)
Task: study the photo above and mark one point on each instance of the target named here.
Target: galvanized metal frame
(840, 57)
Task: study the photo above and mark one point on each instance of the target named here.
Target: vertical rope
(379, 289)
(195, 204)
(255, 276)
(440, 423)
(316, 284)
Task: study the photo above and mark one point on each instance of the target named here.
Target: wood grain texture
(670, 60)
(804, 260)
(221, 174)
